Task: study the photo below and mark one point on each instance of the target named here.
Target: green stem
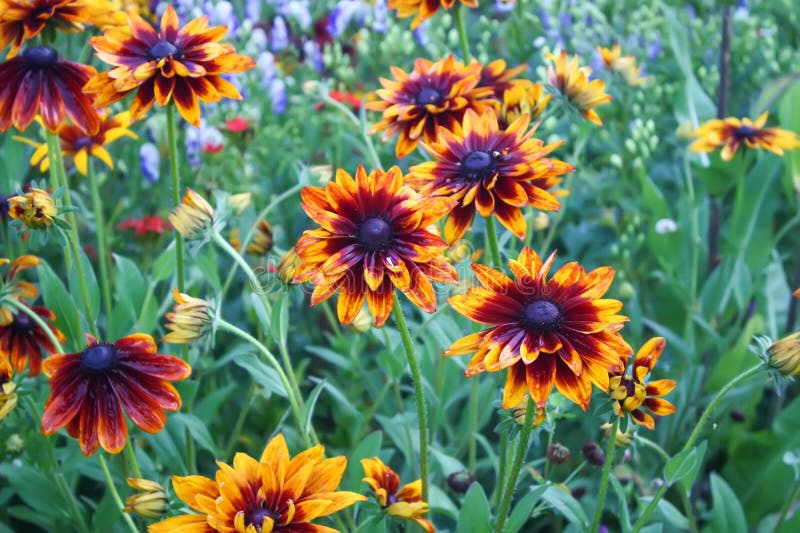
(331, 318)
(491, 240)
(130, 459)
(115, 495)
(102, 249)
(239, 424)
(228, 249)
(601, 497)
(788, 504)
(371, 152)
(53, 146)
(462, 34)
(516, 467)
(172, 140)
(693, 437)
(230, 328)
(501, 468)
(422, 409)
(37, 320)
(7, 240)
(473, 426)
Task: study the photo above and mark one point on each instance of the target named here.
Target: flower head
(39, 81)
(631, 392)
(433, 95)
(190, 319)
(784, 355)
(521, 98)
(36, 208)
(405, 503)
(90, 391)
(8, 389)
(192, 216)
(287, 266)
(422, 10)
(181, 64)
(499, 78)
(573, 83)
(22, 340)
(730, 133)
(150, 500)
(490, 171)
(373, 237)
(262, 240)
(276, 493)
(623, 65)
(15, 289)
(558, 332)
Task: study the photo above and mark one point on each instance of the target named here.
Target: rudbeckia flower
(192, 216)
(559, 332)
(784, 355)
(36, 208)
(521, 98)
(631, 392)
(276, 493)
(731, 133)
(78, 145)
(499, 78)
(490, 171)
(181, 64)
(374, 236)
(262, 240)
(191, 318)
(422, 10)
(433, 95)
(8, 389)
(573, 83)
(405, 503)
(14, 288)
(90, 391)
(625, 66)
(22, 340)
(38, 81)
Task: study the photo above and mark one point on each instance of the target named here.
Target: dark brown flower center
(82, 142)
(255, 517)
(375, 234)
(746, 132)
(429, 95)
(22, 322)
(99, 357)
(480, 165)
(629, 384)
(541, 315)
(40, 57)
(162, 49)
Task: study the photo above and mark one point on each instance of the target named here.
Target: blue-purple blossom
(199, 138)
(421, 34)
(252, 10)
(297, 11)
(344, 13)
(314, 55)
(222, 14)
(380, 17)
(503, 7)
(654, 49)
(280, 35)
(149, 161)
(277, 93)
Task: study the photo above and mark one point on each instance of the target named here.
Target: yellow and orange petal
(731, 133)
(623, 65)
(434, 94)
(374, 236)
(176, 64)
(422, 10)
(572, 81)
(405, 503)
(262, 240)
(22, 340)
(521, 98)
(631, 393)
(784, 355)
(558, 332)
(35, 208)
(274, 493)
(191, 319)
(192, 216)
(796, 293)
(489, 171)
(10, 287)
(8, 389)
(90, 391)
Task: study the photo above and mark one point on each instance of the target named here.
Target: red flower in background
(145, 225)
(237, 125)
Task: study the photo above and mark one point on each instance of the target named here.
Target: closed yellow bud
(150, 501)
(35, 208)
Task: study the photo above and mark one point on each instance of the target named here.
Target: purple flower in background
(654, 50)
(221, 14)
(252, 10)
(280, 35)
(421, 34)
(596, 62)
(277, 93)
(380, 17)
(314, 55)
(503, 7)
(344, 13)
(149, 161)
(258, 41)
(545, 20)
(265, 63)
(199, 139)
(298, 11)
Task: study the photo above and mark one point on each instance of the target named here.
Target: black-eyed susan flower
(632, 393)
(784, 355)
(374, 236)
(499, 77)
(191, 319)
(262, 239)
(193, 216)
(559, 332)
(731, 133)
(22, 340)
(177, 64)
(525, 97)
(78, 145)
(404, 503)
(434, 94)
(625, 66)
(422, 10)
(491, 171)
(276, 493)
(13, 288)
(8, 389)
(90, 391)
(39, 81)
(149, 501)
(35, 208)
(572, 81)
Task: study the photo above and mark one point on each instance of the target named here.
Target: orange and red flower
(500, 78)
(146, 225)
(558, 332)
(489, 171)
(183, 65)
(572, 81)
(422, 10)
(90, 390)
(374, 236)
(38, 81)
(405, 502)
(276, 493)
(23, 340)
(433, 95)
(631, 392)
(731, 133)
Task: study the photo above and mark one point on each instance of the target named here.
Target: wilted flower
(8, 394)
(784, 355)
(593, 453)
(405, 503)
(193, 216)
(460, 481)
(558, 453)
(262, 240)
(573, 83)
(150, 501)
(35, 208)
(730, 133)
(191, 318)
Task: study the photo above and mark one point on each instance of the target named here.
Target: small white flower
(666, 225)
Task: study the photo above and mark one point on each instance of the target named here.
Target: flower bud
(593, 453)
(240, 202)
(190, 320)
(460, 481)
(519, 412)
(8, 394)
(362, 322)
(262, 240)
(192, 216)
(150, 501)
(36, 208)
(784, 355)
(622, 439)
(558, 453)
(287, 266)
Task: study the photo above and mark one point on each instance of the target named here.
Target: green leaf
(563, 502)
(164, 265)
(727, 515)
(523, 509)
(474, 515)
(280, 319)
(262, 373)
(369, 447)
(37, 490)
(90, 281)
(681, 465)
(57, 297)
(622, 500)
(198, 431)
(130, 287)
(311, 402)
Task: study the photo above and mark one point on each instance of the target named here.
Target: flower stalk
(516, 467)
(172, 140)
(102, 241)
(601, 497)
(115, 494)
